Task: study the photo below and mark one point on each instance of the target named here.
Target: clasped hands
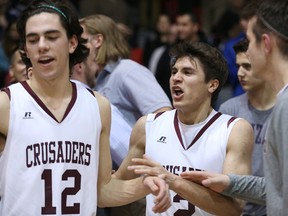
(155, 172)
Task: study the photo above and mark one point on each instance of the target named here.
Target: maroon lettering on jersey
(58, 152)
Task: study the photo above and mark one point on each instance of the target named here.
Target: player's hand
(160, 190)
(214, 181)
(146, 166)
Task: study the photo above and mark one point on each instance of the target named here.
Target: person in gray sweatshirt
(267, 51)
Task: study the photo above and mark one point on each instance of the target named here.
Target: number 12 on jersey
(48, 207)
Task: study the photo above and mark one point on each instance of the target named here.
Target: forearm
(248, 188)
(204, 198)
(118, 192)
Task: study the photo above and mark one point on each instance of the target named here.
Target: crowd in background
(130, 63)
(151, 27)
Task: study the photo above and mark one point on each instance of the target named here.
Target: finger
(162, 201)
(136, 167)
(161, 207)
(152, 186)
(218, 183)
(145, 161)
(196, 176)
(144, 170)
(208, 182)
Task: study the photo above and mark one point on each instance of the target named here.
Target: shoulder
(140, 123)
(101, 99)
(104, 107)
(235, 100)
(241, 132)
(242, 124)
(233, 103)
(138, 131)
(282, 99)
(280, 112)
(131, 65)
(4, 112)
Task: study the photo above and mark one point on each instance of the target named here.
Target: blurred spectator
(159, 62)
(17, 68)
(9, 40)
(189, 28)
(231, 31)
(158, 38)
(128, 85)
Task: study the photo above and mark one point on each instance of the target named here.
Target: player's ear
(267, 40)
(73, 43)
(213, 85)
(97, 40)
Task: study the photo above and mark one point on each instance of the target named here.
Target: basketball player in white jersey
(56, 159)
(193, 136)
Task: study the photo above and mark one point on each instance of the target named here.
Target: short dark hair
(272, 17)
(211, 59)
(241, 46)
(249, 9)
(69, 20)
(193, 17)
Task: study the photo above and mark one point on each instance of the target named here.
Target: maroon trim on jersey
(7, 91)
(199, 134)
(44, 107)
(91, 91)
(158, 114)
(230, 121)
(72, 102)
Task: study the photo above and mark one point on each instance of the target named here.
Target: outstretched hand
(146, 166)
(214, 181)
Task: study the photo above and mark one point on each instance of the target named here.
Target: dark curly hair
(69, 20)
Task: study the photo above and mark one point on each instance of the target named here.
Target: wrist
(171, 179)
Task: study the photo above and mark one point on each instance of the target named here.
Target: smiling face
(187, 84)
(47, 46)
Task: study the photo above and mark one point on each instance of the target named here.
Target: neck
(194, 117)
(50, 88)
(262, 98)
(278, 67)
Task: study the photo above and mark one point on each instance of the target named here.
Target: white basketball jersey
(206, 151)
(50, 167)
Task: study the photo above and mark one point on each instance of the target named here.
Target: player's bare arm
(239, 149)
(136, 150)
(196, 194)
(4, 118)
(116, 192)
